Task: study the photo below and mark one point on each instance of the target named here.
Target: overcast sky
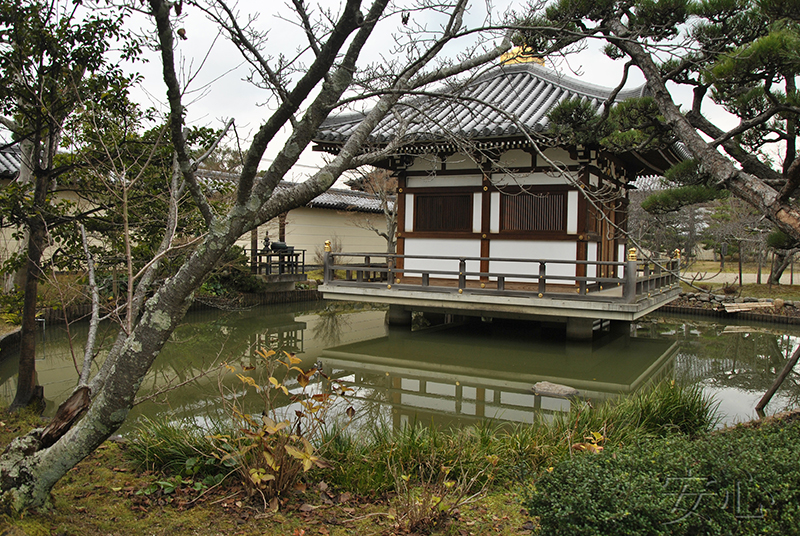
(218, 90)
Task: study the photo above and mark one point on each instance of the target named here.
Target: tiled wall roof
(9, 162)
(337, 199)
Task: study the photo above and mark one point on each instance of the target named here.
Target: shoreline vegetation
(595, 470)
(609, 469)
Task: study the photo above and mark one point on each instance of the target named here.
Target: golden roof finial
(521, 54)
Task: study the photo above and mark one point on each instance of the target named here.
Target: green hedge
(744, 480)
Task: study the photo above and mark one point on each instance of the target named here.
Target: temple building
(496, 218)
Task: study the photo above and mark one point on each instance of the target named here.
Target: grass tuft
(180, 448)
(361, 461)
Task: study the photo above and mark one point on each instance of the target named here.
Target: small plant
(11, 307)
(430, 493)
(737, 481)
(668, 407)
(731, 289)
(274, 444)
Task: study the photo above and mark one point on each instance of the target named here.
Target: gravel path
(728, 277)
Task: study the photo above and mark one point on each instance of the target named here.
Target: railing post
(390, 272)
(542, 278)
(327, 264)
(659, 280)
(629, 288)
(462, 276)
(629, 275)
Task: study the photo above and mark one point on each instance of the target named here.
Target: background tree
(51, 59)
(663, 232)
(305, 95)
(785, 248)
(383, 184)
(738, 54)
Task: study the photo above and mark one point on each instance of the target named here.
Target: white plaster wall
(591, 254)
(532, 249)
(572, 212)
(514, 158)
(441, 247)
(477, 212)
(409, 223)
(558, 156)
(460, 161)
(9, 245)
(309, 228)
(622, 256)
(444, 180)
(520, 179)
(494, 212)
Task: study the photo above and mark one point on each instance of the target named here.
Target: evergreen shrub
(744, 480)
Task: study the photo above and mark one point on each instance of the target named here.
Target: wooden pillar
(254, 251)
(400, 248)
(486, 214)
(282, 227)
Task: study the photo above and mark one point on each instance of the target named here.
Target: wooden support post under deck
(580, 329)
(398, 316)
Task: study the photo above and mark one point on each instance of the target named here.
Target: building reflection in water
(459, 374)
(455, 374)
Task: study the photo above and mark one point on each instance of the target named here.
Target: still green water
(447, 375)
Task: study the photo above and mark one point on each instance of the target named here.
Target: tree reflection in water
(736, 357)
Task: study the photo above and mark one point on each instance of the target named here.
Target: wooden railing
(265, 262)
(636, 279)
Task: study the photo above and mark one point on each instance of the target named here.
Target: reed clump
(180, 448)
(509, 453)
(457, 463)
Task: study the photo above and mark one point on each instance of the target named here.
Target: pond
(448, 375)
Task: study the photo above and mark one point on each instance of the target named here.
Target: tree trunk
(28, 393)
(28, 472)
(783, 258)
(748, 187)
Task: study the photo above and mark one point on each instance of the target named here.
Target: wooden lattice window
(443, 213)
(525, 212)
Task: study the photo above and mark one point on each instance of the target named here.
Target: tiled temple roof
(498, 104)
